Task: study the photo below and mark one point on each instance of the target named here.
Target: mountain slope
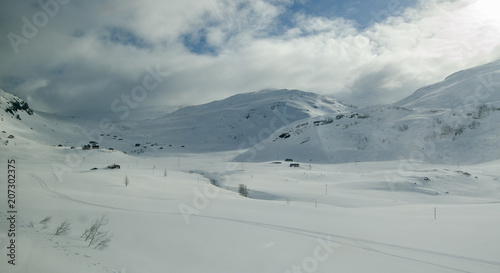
(20, 125)
(454, 121)
(473, 86)
(12, 104)
(234, 123)
(439, 127)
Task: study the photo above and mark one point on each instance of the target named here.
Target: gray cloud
(83, 55)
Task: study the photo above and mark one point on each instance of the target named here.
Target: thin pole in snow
(435, 213)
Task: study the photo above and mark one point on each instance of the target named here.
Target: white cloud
(76, 56)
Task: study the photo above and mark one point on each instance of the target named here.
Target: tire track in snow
(57, 194)
(356, 242)
(344, 240)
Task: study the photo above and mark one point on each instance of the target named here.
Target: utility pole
(326, 189)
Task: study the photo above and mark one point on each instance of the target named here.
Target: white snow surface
(357, 217)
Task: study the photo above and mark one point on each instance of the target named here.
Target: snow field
(360, 222)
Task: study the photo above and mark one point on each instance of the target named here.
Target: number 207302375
(11, 185)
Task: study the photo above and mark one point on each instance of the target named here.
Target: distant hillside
(237, 122)
(478, 85)
(455, 121)
(234, 123)
(20, 125)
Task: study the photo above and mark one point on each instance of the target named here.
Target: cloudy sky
(70, 56)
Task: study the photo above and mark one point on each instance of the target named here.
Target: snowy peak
(236, 122)
(21, 126)
(13, 105)
(304, 103)
(475, 86)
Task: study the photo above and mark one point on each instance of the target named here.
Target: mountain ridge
(463, 88)
(234, 122)
(452, 121)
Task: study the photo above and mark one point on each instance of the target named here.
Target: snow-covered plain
(357, 217)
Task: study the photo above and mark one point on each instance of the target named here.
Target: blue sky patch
(363, 12)
(125, 37)
(197, 43)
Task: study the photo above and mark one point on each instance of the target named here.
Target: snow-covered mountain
(14, 105)
(159, 206)
(20, 125)
(478, 85)
(236, 122)
(454, 121)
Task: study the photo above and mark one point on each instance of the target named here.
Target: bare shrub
(45, 222)
(97, 237)
(63, 228)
